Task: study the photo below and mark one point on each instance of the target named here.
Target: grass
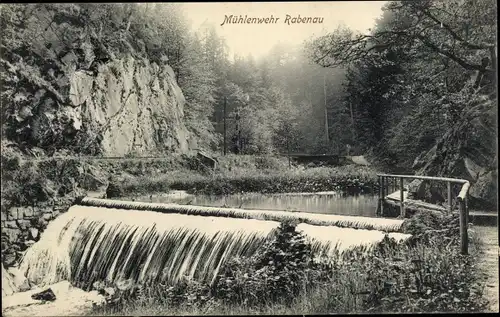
(425, 274)
(353, 179)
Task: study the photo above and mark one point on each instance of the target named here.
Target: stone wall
(22, 227)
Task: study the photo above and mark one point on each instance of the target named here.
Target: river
(321, 202)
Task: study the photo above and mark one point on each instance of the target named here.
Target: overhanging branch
(455, 35)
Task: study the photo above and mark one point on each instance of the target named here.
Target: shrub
(26, 186)
(278, 273)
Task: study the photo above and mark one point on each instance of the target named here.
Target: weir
(355, 222)
(88, 243)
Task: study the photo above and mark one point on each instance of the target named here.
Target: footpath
(489, 263)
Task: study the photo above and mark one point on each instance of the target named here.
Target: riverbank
(29, 181)
(349, 178)
(425, 274)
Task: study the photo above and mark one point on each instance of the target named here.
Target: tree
(411, 69)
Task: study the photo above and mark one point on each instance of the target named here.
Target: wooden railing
(386, 181)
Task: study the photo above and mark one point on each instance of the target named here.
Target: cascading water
(331, 239)
(88, 244)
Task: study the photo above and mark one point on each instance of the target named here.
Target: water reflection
(325, 203)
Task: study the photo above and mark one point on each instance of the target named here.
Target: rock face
(136, 106)
(486, 187)
(467, 151)
(128, 106)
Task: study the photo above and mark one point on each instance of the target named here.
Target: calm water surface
(325, 203)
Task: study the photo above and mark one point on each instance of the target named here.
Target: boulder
(114, 189)
(485, 190)
(116, 183)
(46, 295)
(416, 189)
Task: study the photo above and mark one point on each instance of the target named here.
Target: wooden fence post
(450, 201)
(382, 186)
(379, 209)
(464, 239)
(466, 203)
(401, 197)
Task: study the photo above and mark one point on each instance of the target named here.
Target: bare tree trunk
(353, 130)
(327, 136)
(225, 140)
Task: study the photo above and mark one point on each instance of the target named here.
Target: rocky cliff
(127, 106)
(132, 105)
(77, 82)
(469, 151)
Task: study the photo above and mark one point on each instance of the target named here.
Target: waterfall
(88, 244)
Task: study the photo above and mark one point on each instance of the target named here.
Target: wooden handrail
(444, 179)
(462, 201)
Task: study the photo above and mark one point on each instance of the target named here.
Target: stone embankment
(22, 226)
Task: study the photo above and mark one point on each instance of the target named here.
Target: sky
(258, 39)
